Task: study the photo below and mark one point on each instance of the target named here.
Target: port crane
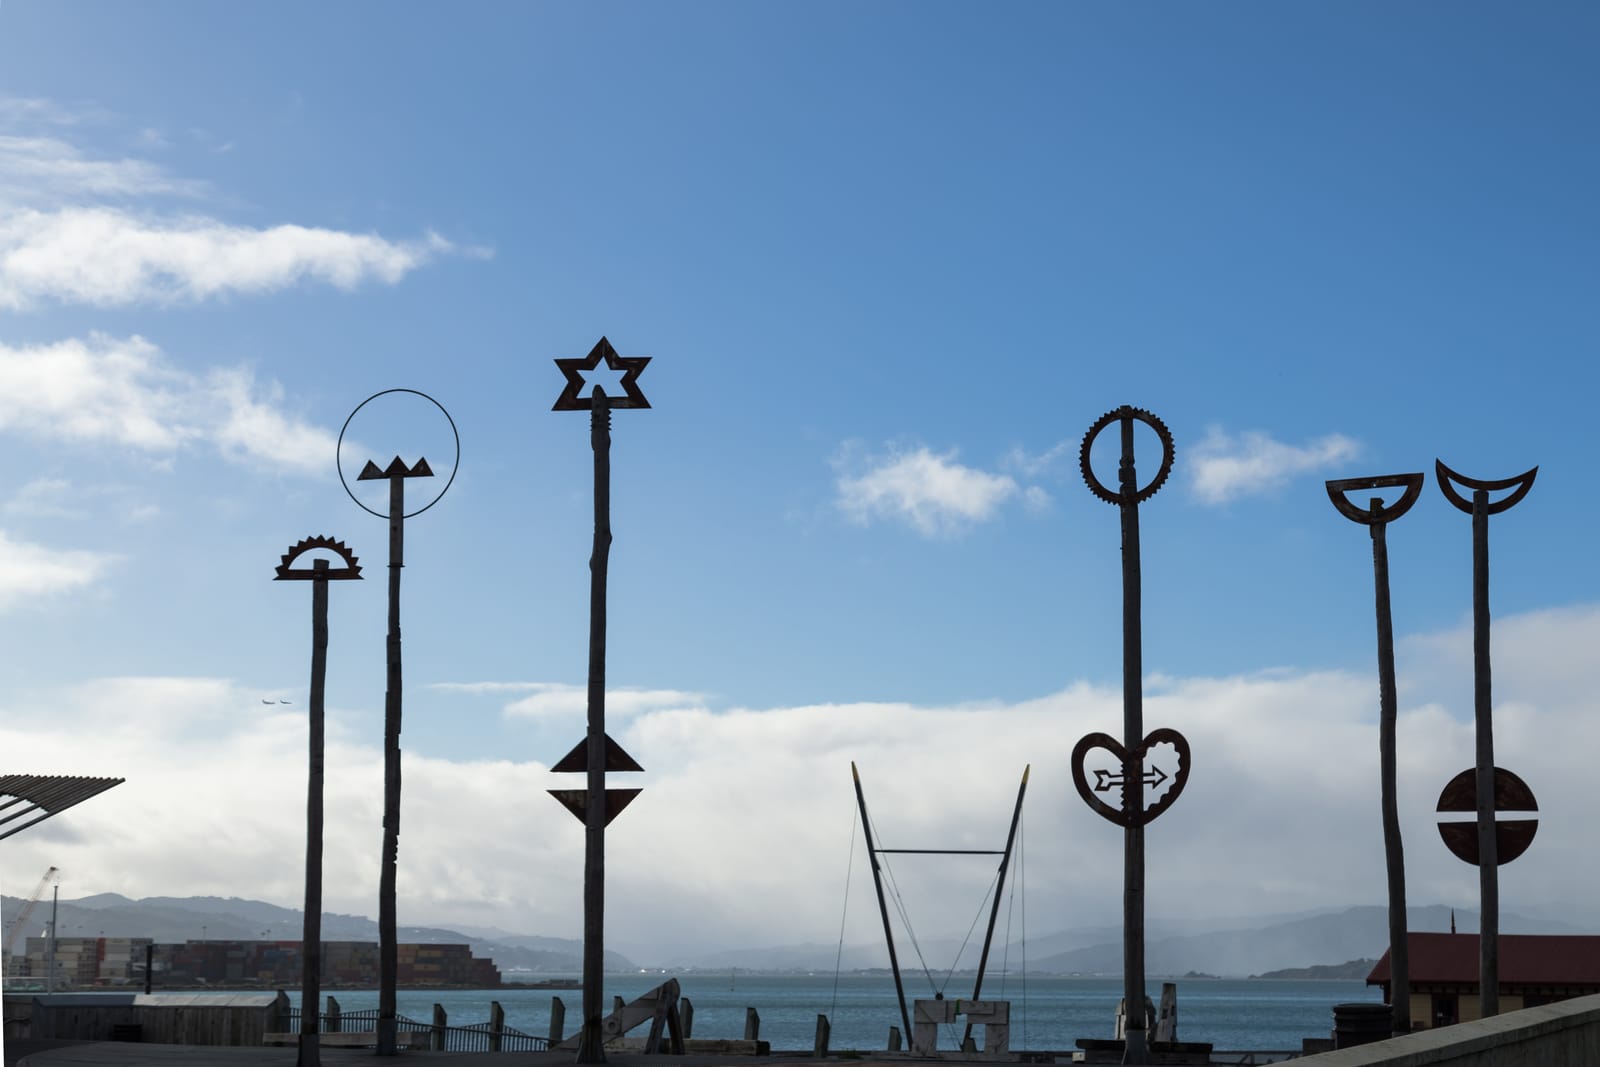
(27, 906)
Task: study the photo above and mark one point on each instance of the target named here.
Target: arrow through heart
(1106, 780)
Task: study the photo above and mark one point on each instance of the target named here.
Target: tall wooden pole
(1131, 751)
(388, 962)
(1484, 776)
(1136, 1049)
(1393, 847)
(590, 1047)
(309, 1051)
(1483, 714)
(311, 938)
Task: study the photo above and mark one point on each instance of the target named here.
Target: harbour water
(1046, 1013)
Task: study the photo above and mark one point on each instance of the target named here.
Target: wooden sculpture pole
(388, 934)
(596, 754)
(1483, 721)
(396, 473)
(1483, 715)
(1137, 1050)
(311, 936)
(310, 1052)
(590, 1048)
(1377, 518)
(1134, 814)
(1393, 845)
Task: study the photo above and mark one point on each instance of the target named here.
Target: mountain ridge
(1224, 946)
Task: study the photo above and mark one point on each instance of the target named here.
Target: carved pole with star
(597, 804)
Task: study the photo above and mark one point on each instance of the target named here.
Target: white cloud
(1228, 466)
(44, 498)
(1031, 465)
(105, 390)
(57, 498)
(551, 699)
(487, 687)
(255, 429)
(932, 492)
(81, 228)
(29, 571)
(48, 171)
(1280, 814)
(107, 257)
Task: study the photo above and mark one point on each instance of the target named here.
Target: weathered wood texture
(311, 938)
(1393, 846)
(591, 1046)
(388, 935)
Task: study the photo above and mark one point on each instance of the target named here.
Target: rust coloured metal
(1512, 836)
(630, 366)
(350, 570)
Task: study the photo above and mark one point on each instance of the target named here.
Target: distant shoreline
(234, 987)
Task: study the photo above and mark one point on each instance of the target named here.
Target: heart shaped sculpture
(1107, 780)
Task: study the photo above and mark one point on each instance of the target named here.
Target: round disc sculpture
(1129, 776)
(396, 474)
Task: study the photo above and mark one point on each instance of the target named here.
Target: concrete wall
(1553, 1035)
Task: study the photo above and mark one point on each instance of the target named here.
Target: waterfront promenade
(53, 1053)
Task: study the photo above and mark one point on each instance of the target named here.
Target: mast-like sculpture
(1130, 753)
(596, 805)
(396, 474)
(874, 850)
(320, 574)
(1376, 517)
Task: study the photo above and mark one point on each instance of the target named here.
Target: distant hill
(1350, 934)
(176, 919)
(1265, 946)
(1355, 969)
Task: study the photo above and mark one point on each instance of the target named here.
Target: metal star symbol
(630, 366)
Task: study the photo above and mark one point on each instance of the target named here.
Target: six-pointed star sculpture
(630, 366)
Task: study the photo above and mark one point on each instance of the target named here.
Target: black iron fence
(475, 1037)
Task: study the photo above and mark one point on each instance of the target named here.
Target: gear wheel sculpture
(1168, 451)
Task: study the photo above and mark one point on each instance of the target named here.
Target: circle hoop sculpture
(455, 463)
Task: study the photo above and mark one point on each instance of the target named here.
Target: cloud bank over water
(745, 832)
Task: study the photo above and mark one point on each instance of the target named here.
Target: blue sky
(889, 263)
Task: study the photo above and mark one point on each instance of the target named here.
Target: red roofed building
(1534, 969)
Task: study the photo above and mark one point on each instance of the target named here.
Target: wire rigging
(905, 918)
(850, 866)
(993, 883)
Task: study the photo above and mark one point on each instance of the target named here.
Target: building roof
(1525, 959)
(50, 794)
